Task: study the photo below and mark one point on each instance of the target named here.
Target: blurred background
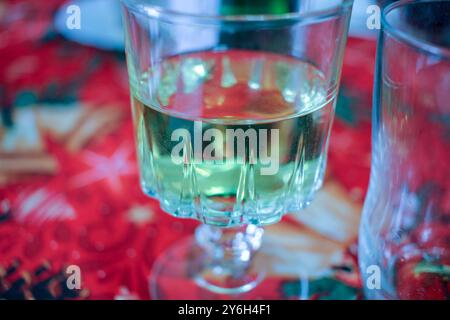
(69, 191)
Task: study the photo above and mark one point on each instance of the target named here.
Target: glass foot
(188, 271)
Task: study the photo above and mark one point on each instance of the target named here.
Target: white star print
(41, 205)
(109, 168)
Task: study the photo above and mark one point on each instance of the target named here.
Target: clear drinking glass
(232, 114)
(405, 228)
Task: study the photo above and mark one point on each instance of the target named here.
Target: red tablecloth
(69, 190)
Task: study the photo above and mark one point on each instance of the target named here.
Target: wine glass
(232, 107)
(404, 239)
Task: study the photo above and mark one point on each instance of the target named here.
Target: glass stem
(228, 253)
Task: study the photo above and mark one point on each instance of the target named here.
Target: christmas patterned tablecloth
(69, 190)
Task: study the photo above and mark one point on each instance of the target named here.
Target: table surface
(69, 191)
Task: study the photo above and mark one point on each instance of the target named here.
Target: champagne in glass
(281, 104)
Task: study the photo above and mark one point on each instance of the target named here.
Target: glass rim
(407, 37)
(158, 12)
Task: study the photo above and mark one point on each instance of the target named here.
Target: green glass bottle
(238, 7)
(278, 42)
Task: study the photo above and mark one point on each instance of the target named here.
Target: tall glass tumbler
(232, 114)
(404, 242)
